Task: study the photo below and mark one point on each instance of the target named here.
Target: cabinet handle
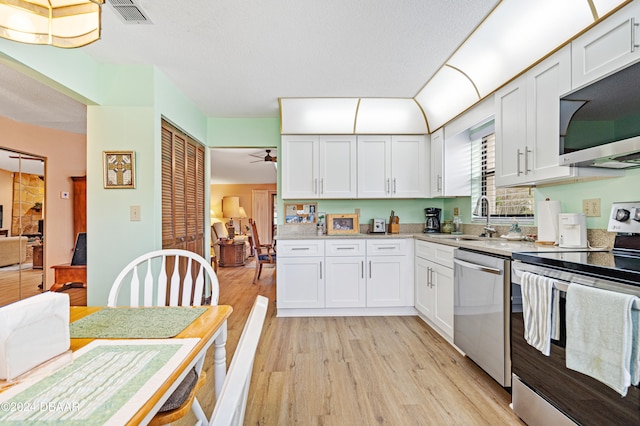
(634, 46)
(439, 183)
(386, 248)
(428, 277)
(369, 269)
(321, 269)
(345, 248)
(362, 269)
(431, 276)
(299, 248)
(526, 160)
(321, 185)
(387, 188)
(394, 186)
(519, 172)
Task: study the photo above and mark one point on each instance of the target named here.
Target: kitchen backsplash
(596, 237)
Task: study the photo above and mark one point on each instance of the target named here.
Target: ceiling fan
(267, 158)
(26, 158)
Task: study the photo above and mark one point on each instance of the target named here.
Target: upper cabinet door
(374, 166)
(437, 163)
(338, 160)
(408, 159)
(545, 83)
(300, 166)
(607, 47)
(511, 133)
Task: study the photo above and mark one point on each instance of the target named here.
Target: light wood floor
(353, 370)
(30, 279)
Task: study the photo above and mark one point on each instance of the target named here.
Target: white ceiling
(242, 165)
(235, 59)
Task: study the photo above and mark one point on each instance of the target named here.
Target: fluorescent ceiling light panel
(389, 116)
(605, 6)
(318, 115)
(517, 34)
(448, 93)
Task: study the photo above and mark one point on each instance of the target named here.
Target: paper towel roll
(547, 216)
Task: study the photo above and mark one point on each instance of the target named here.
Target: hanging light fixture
(60, 23)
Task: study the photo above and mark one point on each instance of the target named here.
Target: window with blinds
(504, 202)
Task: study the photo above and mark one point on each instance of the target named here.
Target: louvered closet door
(183, 183)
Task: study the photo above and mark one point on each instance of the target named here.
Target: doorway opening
(250, 174)
(22, 219)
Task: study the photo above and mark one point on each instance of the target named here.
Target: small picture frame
(301, 213)
(119, 169)
(342, 224)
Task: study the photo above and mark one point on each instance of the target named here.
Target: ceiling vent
(129, 12)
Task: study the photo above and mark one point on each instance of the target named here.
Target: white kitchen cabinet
(299, 165)
(424, 300)
(389, 273)
(437, 163)
(511, 133)
(300, 274)
(318, 167)
(392, 166)
(527, 126)
(608, 47)
(434, 285)
(345, 274)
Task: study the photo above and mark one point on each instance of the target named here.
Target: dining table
(206, 326)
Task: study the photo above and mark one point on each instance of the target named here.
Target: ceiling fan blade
(26, 158)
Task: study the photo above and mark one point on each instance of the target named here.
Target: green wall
(623, 188)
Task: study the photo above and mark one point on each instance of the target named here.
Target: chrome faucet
(488, 230)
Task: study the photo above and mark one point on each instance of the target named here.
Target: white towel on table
(541, 320)
(602, 336)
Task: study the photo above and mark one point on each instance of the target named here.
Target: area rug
(17, 267)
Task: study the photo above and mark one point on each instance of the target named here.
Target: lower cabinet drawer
(300, 248)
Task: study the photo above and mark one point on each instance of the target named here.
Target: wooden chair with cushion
(170, 278)
(263, 253)
(232, 402)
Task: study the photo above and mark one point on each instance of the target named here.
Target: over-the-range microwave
(600, 123)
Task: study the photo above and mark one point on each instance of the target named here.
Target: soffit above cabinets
(351, 116)
(515, 35)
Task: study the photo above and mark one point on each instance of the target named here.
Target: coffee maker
(432, 215)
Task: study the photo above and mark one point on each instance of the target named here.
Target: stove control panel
(625, 217)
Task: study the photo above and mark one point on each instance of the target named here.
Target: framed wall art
(342, 224)
(119, 169)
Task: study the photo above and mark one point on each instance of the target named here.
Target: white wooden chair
(232, 402)
(185, 276)
(171, 277)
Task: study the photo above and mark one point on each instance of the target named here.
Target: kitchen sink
(460, 237)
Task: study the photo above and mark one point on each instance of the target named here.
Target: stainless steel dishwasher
(482, 284)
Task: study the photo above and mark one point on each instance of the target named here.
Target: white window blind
(504, 202)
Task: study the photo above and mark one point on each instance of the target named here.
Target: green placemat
(134, 323)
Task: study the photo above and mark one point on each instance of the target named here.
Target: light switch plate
(591, 207)
(134, 213)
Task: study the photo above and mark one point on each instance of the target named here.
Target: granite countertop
(494, 245)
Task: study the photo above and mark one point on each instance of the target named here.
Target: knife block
(394, 225)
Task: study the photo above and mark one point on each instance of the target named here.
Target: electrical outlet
(358, 212)
(591, 207)
(134, 213)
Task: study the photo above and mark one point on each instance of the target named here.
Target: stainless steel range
(544, 390)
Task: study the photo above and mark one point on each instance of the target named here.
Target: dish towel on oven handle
(602, 336)
(540, 310)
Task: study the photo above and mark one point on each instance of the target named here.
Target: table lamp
(242, 214)
(231, 209)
